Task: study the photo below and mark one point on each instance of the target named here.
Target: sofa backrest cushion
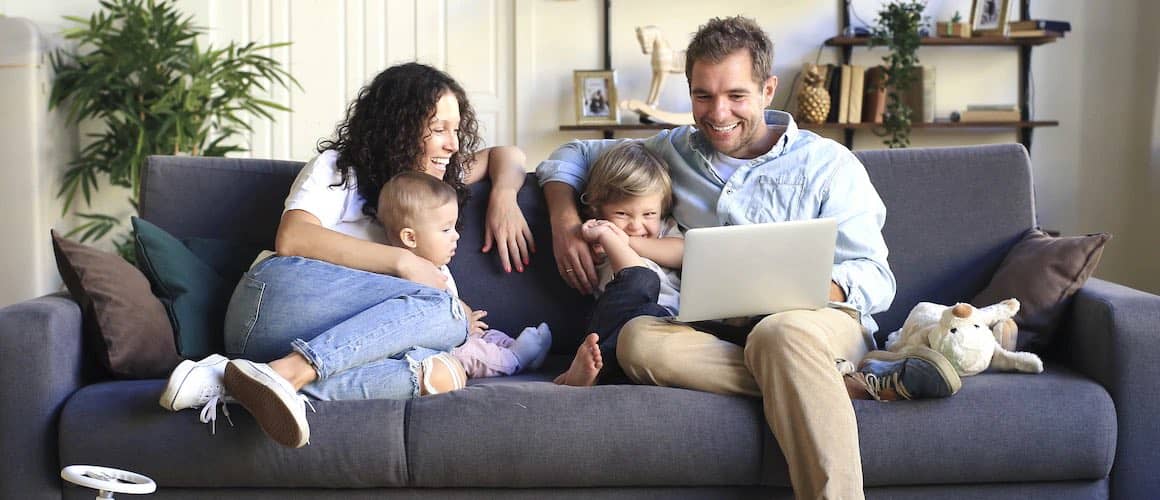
(952, 214)
(234, 199)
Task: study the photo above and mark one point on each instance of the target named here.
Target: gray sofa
(1083, 429)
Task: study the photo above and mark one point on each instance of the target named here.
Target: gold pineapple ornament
(814, 103)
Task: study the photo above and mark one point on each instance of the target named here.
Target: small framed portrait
(596, 97)
(989, 17)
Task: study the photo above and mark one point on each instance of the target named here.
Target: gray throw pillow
(1043, 272)
(124, 325)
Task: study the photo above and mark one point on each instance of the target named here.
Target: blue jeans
(632, 292)
(365, 333)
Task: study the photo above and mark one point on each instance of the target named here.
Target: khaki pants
(788, 360)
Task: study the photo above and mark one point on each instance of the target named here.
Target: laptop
(756, 269)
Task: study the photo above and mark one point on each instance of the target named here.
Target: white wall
(1098, 171)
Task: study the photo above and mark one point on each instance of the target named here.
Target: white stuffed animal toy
(972, 339)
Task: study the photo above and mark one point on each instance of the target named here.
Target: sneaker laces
(209, 413)
(876, 385)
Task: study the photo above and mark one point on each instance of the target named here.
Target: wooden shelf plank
(846, 41)
(829, 126)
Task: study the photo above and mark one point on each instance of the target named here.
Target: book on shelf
(834, 87)
(1033, 33)
(914, 96)
(846, 80)
(857, 83)
(1040, 24)
(992, 107)
(874, 95)
(928, 88)
(990, 115)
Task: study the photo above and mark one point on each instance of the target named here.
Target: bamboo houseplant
(138, 73)
(897, 28)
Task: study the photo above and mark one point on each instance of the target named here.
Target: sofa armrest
(41, 345)
(1113, 336)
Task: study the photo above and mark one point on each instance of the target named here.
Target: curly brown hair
(720, 37)
(386, 124)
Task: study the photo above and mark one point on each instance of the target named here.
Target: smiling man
(744, 164)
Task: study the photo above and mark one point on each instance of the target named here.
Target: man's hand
(574, 258)
(508, 229)
(422, 271)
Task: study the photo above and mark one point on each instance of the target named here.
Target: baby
(418, 213)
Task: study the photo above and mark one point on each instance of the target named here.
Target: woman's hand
(574, 257)
(422, 271)
(506, 227)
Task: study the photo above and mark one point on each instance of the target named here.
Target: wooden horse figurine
(665, 60)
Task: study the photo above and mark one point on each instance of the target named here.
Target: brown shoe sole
(265, 405)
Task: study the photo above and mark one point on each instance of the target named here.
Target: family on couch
(364, 319)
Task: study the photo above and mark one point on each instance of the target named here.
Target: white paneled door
(339, 45)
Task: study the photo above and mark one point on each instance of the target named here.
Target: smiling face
(729, 106)
(434, 237)
(442, 139)
(635, 215)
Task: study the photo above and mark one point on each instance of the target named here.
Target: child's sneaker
(273, 402)
(193, 384)
(916, 372)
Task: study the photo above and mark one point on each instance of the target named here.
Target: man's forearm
(561, 200)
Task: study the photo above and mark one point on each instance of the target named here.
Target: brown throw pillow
(1043, 272)
(124, 324)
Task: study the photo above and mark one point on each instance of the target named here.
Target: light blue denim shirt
(803, 176)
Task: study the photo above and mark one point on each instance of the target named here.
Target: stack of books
(1037, 27)
(990, 113)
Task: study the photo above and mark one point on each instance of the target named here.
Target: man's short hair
(405, 198)
(720, 37)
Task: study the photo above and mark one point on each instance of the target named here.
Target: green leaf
(137, 67)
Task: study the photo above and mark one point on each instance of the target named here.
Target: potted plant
(138, 72)
(897, 28)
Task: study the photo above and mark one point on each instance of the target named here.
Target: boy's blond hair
(405, 197)
(627, 170)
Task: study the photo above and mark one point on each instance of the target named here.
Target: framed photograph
(989, 17)
(595, 96)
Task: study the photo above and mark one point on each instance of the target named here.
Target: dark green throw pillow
(194, 283)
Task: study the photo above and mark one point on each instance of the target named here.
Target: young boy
(628, 194)
(418, 213)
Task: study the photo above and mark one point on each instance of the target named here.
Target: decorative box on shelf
(953, 30)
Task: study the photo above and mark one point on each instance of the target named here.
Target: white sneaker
(193, 384)
(273, 402)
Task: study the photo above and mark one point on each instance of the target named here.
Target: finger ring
(568, 270)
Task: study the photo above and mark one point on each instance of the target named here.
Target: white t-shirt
(337, 208)
(670, 281)
(726, 165)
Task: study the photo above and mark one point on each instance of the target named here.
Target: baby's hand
(477, 327)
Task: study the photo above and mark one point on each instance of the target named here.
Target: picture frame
(595, 97)
(989, 17)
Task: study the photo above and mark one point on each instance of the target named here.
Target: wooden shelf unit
(1025, 126)
(610, 130)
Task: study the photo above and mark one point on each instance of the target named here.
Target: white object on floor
(107, 480)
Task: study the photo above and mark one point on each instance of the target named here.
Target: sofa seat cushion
(526, 432)
(1001, 427)
(353, 444)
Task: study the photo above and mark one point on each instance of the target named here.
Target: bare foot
(585, 366)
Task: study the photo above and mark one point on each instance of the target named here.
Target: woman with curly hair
(361, 319)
